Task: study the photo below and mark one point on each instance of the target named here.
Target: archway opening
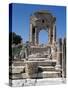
(43, 37)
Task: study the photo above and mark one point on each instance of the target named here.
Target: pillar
(30, 35)
(33, 35)
(54, 33)
(36, 36)
(64, 58)
(25, 53)
(59, 54)
(49, 35)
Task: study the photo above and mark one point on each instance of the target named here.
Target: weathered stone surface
(42, 61)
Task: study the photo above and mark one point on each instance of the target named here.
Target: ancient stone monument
(48, 57)
(47, 61)
(42, 20)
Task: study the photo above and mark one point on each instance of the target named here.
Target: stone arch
(42, 20)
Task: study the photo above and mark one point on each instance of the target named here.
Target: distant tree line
(13, 39)
(16, 39)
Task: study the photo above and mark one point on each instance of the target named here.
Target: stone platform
(37, 68)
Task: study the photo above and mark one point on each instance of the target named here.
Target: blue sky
(21, 19)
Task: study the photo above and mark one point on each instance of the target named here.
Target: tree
(14, 38)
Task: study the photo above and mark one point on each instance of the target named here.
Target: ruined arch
(42, 20)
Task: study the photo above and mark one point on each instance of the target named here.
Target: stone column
(49, 35)
(25, 53)
(30, 35)
(64, 58)
(54, 33)
(59, 54)
(35, 36)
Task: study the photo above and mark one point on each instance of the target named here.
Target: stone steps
(19, 62)
(47, 68)
(16, 76)
(17, 69)
(43, 62)
(36, 50)
(46, 74)
(51, 74)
